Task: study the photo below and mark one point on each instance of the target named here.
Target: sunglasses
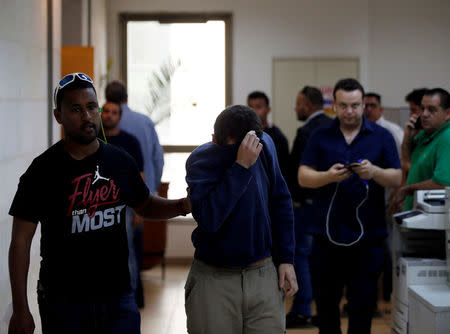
(69, 78)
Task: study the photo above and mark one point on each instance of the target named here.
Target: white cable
(357, 217)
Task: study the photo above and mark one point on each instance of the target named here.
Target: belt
(251, 265)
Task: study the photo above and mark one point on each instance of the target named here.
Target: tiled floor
(164, 310)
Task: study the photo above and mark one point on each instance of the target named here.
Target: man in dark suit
(308, 108)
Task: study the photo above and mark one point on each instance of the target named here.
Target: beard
(109, 124)
(84, 137)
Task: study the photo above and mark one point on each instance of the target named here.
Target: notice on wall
(327, 93)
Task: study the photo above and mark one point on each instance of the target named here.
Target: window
(177, 72)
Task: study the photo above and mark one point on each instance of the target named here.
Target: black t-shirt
(130, 144)
(81, 207)
(282, 147)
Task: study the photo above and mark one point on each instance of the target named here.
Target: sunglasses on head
(69, 78)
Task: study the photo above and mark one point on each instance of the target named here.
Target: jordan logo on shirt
(94, 205)
(97, 176)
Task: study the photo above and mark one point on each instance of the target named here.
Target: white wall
(179, 244)
(401, 44)
(75, 32)
(72, 15)
(23, 119)
(264, 29)
(409, 47)
(99, 41)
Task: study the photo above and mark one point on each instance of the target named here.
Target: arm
(386, 177)
(424, 185)
(155, 207)
(19, 261)
(286, 274)
(397, 201)
(409, 133)
(213, 202)
(282, 221)
(311, 178)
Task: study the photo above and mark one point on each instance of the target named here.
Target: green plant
(159, 90)
(106, 77)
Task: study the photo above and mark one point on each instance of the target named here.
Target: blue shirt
(326, 147)
(143, 129)
(243, 215)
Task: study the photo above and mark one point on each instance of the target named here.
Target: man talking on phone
(427, 148)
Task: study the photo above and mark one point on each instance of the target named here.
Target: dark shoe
(377, 314)
(344, 313)
(315, 320)
(294, 320)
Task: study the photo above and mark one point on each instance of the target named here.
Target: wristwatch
(180, 204)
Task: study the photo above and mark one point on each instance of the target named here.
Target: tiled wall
(23, 119)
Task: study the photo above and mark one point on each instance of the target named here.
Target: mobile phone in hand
(418, 124)
(353, 164)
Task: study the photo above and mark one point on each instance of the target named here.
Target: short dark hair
(416, 96)
(258, 95)
(234, 123)
(443, 94)
(117, 104)
(74, 85)
(375, 95)
(348, 85)
(116, 92)
(314, 95)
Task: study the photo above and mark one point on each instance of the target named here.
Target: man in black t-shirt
(111, 116)
(78, 190)
(259, 102)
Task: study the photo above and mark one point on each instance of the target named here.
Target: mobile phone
(418, 124)
(353, 164)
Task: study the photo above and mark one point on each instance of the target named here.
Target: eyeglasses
(69, 78)
(343, 106)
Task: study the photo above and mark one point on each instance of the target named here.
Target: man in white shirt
(374, 112)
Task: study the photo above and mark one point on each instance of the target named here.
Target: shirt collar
(423, 137)
(314, 114)
(125, 108)
(380, 120)
(367, 126)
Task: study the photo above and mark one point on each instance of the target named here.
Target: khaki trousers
(234, 300)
